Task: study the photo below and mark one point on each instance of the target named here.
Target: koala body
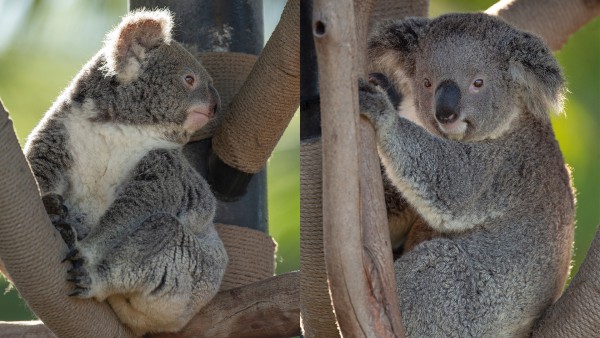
(138, 219)
(479, 162)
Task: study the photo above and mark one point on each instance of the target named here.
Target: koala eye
(478, 83)
(427, 83)
(190, 79)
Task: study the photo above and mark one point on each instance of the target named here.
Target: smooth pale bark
(357, 252)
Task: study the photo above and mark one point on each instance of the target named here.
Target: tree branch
(269, 309)
(357, 254)
(32, 251)
(554, 20)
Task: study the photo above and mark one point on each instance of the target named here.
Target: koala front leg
(440, 178)
(47, 154)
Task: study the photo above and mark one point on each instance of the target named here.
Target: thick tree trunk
(357, 253)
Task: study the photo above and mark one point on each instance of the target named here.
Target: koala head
(470, 75)
(143, 77)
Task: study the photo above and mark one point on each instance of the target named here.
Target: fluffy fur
(496, 190)
(138, 219)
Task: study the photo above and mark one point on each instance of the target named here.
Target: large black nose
(447, 99)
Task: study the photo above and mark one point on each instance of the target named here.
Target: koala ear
(533, 67)
(126, 46)
(394, 43)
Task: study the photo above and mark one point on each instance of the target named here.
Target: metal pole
(222, 26)
(310, 116)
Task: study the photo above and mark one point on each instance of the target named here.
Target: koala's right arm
(46, 152)
(419, 162)
(162, 182)
(48, 157)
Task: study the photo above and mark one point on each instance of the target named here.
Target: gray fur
(110, 149)
(499, 193)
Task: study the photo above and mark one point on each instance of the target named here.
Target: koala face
(470, 75)
(183, 89)
(143, 77)
(460, 88)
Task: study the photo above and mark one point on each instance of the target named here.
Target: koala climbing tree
(107, 157)
(480, 164)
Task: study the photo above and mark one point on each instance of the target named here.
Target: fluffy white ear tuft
(126, 46)
(539, 96)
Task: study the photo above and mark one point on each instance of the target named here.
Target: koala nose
(447, 99)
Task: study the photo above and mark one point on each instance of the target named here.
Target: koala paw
(58, 213)
(374, 102)
(55, 207)
(385, 84)
(67, 232)
(79, 274)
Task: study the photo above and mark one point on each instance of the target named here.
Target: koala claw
(77, 265)
(55, 219)
(54, 205)
(73, 252)
(79, 276)
(374, 102)
(68, 234)
(80, 293)
(80, 280)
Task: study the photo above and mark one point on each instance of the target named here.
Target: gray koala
(481, 166)
(108, 160)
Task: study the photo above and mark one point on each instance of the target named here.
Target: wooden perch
(554, 20)
(577, 312)
(267, 309)
(357, 252)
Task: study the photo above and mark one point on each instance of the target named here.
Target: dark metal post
(222, 26)
(310, 115)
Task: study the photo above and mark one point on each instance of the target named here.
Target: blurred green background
(44, 43)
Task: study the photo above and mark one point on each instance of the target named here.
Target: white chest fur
(104, 154)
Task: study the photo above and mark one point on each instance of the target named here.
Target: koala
(107, 157)
(471, 148)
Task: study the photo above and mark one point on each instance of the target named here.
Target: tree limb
(554, 20)
(358, 256)
(32, 251)
(269, 309)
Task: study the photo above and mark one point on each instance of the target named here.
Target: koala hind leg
(160, 275)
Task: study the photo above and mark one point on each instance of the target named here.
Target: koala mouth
(207, 110)
(198, 117)
(455, 130)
